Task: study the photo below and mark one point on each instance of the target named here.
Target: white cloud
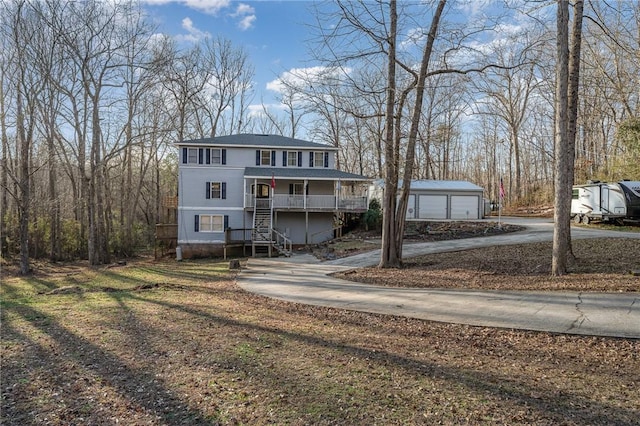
(247, 22)
(193, 34)
(473, 8)
(305, 77)
(258, 110)
(211, 7)
(246, 14)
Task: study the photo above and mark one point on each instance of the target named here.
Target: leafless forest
(93, 97)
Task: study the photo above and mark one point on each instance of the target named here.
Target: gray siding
(192, 190)
(293, 225)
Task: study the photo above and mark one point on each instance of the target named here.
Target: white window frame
(211, 223)
(298, 188)
(318, 159)
(218, 186)
(292, 158)
(265, 154)
(190, 152)
(218, 157)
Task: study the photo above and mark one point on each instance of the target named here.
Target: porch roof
(302, 173)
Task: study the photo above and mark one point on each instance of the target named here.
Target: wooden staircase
(264, 238)
(261, 235)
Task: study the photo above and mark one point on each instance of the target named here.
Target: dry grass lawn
(166, 343)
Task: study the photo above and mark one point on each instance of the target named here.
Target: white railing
(322, 202)
(282, 241)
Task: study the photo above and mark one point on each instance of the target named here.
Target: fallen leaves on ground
(603, 264)
(179, 343)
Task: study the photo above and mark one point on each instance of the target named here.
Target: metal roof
(257, 140)
(438, 185)
(319, 173)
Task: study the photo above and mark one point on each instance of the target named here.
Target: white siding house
(263, 191)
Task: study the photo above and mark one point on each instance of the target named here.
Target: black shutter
(311, 159)
(284, 158)
(273, 158)
(326, 159)
(200, 155)
(290, 189)
(184, 155)
(224, 156)
(299, 158)
(208, 156)
(197, 224)
(224, 190)
(226, 222)
(208, 193)
(257, 157)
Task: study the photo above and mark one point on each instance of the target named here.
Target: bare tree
(567, 78)
(19, 26)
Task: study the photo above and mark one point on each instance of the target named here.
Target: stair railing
(281, 241)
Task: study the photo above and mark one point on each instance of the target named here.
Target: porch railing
(315, 202)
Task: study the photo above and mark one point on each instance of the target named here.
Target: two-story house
(262, 191)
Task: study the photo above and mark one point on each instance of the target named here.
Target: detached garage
(440, 199)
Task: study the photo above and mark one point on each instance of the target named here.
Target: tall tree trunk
(54, 201)
(574, 81)
(4, 175)
(562, 205)
(24, 185)
(413, 132)
(389, 253)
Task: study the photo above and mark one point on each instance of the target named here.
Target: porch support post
(306, 227)
(255, 191)
(304, 194)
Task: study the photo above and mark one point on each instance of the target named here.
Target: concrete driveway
(304, 279)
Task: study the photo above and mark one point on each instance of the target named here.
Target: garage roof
(440, 185)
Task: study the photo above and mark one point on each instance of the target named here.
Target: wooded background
(92, 100)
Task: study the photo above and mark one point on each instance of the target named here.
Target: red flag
(273, 182)
(501, 190)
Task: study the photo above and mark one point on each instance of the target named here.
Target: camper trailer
(606, 201)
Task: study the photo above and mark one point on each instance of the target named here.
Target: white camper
(605, 201)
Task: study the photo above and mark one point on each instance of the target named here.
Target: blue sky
(273, 33)
(276, 34)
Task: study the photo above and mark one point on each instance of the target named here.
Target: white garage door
(464, 207)
(432, 207)
(411, 207)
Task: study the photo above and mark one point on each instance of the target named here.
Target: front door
(262, 190)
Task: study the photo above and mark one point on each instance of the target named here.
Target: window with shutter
(211, 223)
(292, 158)
(216, 190)
(318, 159)
(264, 158)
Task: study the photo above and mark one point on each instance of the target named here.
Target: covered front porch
(335, 191)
